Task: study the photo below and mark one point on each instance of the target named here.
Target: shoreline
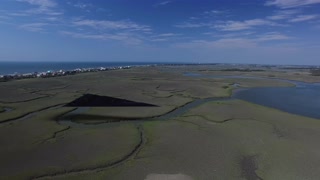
(94, 66)
(257, 70)
(73, 71)
(49, 74)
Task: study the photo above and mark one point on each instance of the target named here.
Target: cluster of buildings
(48, 74)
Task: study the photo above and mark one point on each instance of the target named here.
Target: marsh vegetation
(220, 138)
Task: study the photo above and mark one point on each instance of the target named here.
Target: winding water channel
(6, 109)
(301, 99)
(172, 114)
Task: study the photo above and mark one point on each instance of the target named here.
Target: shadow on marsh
(92, 100)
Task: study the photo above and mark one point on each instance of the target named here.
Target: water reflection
(303, 99)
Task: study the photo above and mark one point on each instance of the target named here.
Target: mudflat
(218, 139)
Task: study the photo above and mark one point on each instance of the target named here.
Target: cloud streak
(228, 43)
(301, 18)
(34, 27)
(82, 5)
(125, 31)
(244, 25)
(162, 3)
(283, 14)
(123, 37)
(112, 25)
(235, 41)
(43, 7)
(230, 25)
(273, 36)
(40, 3)
(284, 4)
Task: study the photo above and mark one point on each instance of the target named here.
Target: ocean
(30, 67)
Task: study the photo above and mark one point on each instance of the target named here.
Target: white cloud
(51, 19)
(244, 25)
(251, 36)
(228, 43)
(159, 40)
(162, 3)
(43, 7)
(215, 12)
(18, 14)
(278, 17)
(230, 35)
(283, 14)
(34, 27)
(235, 40)
(125, 25)
(272, 37)
(301, 18)
(82, 5)
(290, 3)
(163, 37)
(240, 49)
(204, 16)
(126, 31)
(230, 25)
(40, 3)
(167, 35)
(124, 37)
(192, 25)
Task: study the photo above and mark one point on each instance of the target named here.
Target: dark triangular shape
(91, 100)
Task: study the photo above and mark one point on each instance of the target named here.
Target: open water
(303, 99)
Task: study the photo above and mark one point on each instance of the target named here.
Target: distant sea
(30, 67)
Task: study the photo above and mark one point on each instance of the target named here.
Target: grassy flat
(234, 140)
(217, 140)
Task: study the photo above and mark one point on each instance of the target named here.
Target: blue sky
(208, 31)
